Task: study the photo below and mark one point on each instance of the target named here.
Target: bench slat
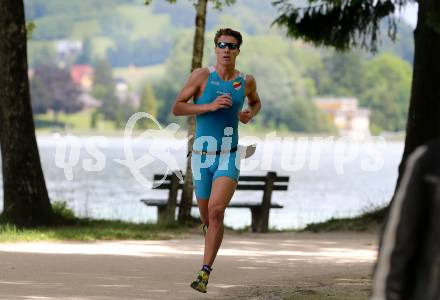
(163, 202)
(262, 178)
(249, 205)
(240, 186)
(241, 178)
(166, 186)
(260, 187)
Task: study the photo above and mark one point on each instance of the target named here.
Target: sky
(410, 14)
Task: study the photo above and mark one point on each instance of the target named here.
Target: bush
(62, 211)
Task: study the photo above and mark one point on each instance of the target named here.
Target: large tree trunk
(423, 122)
(199, 41)
(26, 202)
(424, 108)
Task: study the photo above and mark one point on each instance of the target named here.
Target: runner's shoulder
(199, 75)
(250, 80)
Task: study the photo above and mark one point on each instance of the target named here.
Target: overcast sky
(410, 14)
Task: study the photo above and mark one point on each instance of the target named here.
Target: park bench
(259, 210)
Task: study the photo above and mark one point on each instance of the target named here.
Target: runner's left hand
(245, 116)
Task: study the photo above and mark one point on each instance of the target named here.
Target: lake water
(328, 178)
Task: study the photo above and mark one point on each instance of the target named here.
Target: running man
(218, 92)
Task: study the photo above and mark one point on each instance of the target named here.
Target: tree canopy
(339, 23)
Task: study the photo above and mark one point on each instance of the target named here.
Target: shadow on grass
(368, 221)
(67, 227)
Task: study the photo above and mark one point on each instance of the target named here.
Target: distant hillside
(152, 45)
(129, 33)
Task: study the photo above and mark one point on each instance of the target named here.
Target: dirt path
(249, 266)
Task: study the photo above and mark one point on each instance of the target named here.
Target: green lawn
(79, 122)
(68, 227)
(92, 230)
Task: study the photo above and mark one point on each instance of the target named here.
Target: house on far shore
(125, 94)
(82, 76)
(349, 119)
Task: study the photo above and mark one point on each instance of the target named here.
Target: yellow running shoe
(203, 229)
(201, 282)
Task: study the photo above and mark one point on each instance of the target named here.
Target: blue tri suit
(215, 131)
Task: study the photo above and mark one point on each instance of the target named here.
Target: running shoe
(204, 229)
(201, 282)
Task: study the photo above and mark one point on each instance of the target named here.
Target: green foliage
(52, 28)
(92, 230)
(140, 52)
(386, 91)
(370, 219)
(341, 24)
(41, 54)
(85, 57)
(217, 4)
(40, 96)
(148, 103)
(61, 210)
(402, 45)
(104, 89)
(345, 71)
(52, 88)
(289, 73)
(79, 121)
(381, 83)
(167, 88)
(36, 9)
(123, 113)
(94, 120)
(286, 94)
(30, 27)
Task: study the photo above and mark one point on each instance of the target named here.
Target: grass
(368, 221)
(83, 229)
(92, 230)
(79, 121)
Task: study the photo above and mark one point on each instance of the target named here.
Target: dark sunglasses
(223, 45)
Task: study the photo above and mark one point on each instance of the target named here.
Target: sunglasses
(231, 46)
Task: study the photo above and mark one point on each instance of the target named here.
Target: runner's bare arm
(254, 102)
(189, 91)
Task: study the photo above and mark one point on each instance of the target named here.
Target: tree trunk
(424, 108)
(199, 41)
(26, 202)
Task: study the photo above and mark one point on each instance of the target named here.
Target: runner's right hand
(222, 101)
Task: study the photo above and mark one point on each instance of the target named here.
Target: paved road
(247, 265)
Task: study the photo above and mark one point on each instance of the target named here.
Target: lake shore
(182, 133)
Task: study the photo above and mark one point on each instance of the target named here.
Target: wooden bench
(259, 211)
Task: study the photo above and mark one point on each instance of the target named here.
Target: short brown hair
(229, 32)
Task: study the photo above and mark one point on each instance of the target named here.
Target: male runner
(219, 92)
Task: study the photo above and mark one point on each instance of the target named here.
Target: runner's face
(226, 56)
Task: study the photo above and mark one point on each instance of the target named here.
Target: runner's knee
(216, 215)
